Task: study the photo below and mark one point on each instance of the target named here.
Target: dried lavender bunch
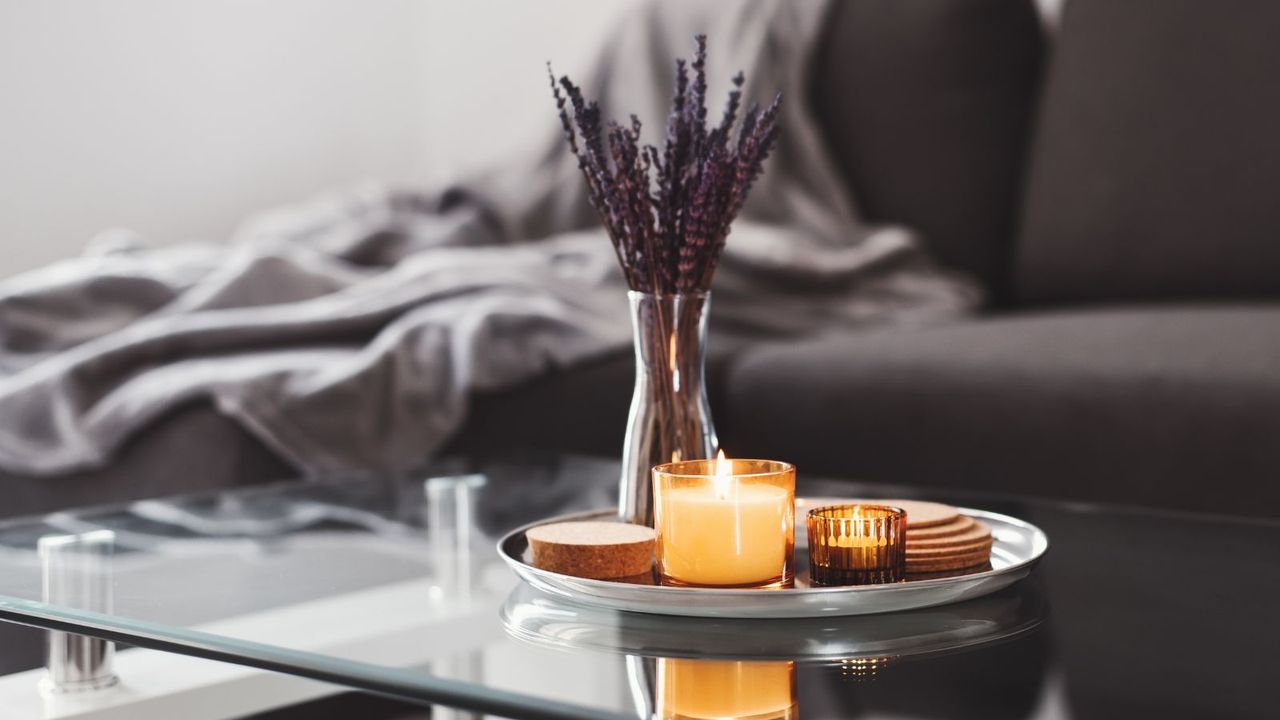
(668, 212)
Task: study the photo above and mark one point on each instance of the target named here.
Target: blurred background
(178, 119)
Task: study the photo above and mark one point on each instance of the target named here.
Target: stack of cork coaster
(942, 542)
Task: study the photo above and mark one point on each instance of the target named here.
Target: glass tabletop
(393, 586)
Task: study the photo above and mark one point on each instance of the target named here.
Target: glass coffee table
(393, 587)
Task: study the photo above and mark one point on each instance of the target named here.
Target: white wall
(177, 118)
(488, 75)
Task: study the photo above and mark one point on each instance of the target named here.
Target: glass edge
(783, 468)
(411, 685)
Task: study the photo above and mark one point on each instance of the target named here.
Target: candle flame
(724, 475)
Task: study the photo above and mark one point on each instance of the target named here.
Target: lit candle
(856, 544)
(725, 523)
(725, 689)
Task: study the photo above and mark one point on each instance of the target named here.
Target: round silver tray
(1018, 546)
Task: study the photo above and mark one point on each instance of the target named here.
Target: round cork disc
(983, 545)
(954, 563)
(955, 572)
(955, 527)
(977, 532)
(592, 549)
(920, 514)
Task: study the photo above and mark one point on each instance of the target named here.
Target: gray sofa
(1114, 184)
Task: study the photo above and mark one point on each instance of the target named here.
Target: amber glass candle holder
(725, 523)
(857, 544)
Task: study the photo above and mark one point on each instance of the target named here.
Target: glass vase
(670, 417)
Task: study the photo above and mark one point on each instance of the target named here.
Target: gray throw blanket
(347, 333)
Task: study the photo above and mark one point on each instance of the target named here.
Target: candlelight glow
(724, 476)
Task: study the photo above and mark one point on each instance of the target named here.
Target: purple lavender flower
(668, 212)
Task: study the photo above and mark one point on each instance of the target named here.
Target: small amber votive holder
(857, 545)
(725, 523)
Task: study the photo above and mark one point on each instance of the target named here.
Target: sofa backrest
(927, 108)
(1155, 173)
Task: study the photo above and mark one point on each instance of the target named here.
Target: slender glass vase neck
(670, 416)
(670, 329)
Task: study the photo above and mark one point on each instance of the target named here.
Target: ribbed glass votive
(857, 544)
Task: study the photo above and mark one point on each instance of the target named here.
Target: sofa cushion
(1156, 168)
(1164, 407)
(579, 411)
(926, 107)
(194, 448)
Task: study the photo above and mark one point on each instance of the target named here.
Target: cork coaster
(955, 527)
(955, 562)
(920, 514)
(958, 572)
(592, 549)
(935, 559)
(977, 532)
(982, 545)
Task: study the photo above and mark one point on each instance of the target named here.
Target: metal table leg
(76, 572)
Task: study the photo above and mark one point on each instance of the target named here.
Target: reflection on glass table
(683, 667)
(548, 621)
(725, 689)
(394, 586)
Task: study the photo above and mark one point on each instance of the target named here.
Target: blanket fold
(348, 332)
